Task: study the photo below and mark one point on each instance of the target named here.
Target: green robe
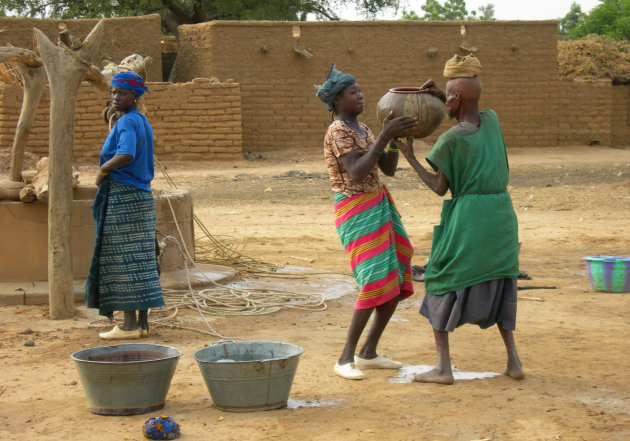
(477, 239)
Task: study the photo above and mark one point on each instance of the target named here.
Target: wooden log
(10, 190)
(94, 76)
(20, 55)
(40, 180)
(27, 194)
(65, 70)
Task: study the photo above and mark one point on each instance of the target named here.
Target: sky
(503, 9)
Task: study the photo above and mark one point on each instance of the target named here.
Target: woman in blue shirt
(124, 273)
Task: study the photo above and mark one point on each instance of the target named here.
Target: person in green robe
(473, 266)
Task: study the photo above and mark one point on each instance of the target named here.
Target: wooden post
(34, 78)
(65, 69)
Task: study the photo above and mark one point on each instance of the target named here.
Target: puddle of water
(296, 269)
(334, 288)
(297, 404)
(407, 372)
(395, 318)
(608, 402)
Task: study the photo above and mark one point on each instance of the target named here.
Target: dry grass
(594, 57)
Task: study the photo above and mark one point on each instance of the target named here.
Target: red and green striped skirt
(377, 245)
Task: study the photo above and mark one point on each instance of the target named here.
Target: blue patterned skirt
(123, 273)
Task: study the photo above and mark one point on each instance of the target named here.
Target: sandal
(119, 334)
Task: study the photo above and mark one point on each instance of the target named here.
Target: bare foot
(515, 372)
(434, 376)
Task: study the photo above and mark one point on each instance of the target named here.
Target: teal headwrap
(335, 82)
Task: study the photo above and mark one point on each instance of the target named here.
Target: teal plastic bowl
(608, 273)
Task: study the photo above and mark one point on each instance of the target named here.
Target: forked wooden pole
(66, 69)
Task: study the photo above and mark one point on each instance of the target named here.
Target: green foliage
(611, 18)
(177, 12)
(410, 15)
(571, 20)
(455, 9)
(433, 10)
(450, 10)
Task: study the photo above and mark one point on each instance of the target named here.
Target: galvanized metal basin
(126, 379)
(249, 376)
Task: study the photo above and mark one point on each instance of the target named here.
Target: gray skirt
(483, 304)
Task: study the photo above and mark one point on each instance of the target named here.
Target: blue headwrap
(335, 82)
(130, 80)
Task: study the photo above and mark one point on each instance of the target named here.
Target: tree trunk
(34, 79)
(65, 72)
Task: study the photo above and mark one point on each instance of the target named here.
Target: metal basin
(126, 379)
(249, 376)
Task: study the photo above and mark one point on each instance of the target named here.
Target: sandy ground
(571, 202)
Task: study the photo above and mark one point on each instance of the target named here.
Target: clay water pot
(408, 101)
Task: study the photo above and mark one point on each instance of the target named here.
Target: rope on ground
(230, 301)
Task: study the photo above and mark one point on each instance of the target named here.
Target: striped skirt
(123, 273)
(377, 245)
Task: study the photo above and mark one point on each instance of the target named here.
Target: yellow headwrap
(462, 67)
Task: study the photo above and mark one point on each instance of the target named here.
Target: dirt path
(571, 202)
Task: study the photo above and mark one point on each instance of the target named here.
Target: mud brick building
(520, 76)
(248, 86)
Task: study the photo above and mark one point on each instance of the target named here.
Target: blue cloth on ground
(161, 428)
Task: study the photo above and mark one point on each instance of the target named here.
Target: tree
(571, 20)
(451, 10)
(178, 12)
(455, 9)
(611, 18)
(433, 10)
(486, 12)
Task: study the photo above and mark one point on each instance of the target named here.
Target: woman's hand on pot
(394, 127)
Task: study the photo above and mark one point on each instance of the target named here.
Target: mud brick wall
(279, 105)
(194, 120)
(125, 36)
(620, 123)
(585, 112)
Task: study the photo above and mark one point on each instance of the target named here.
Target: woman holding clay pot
(366, 219)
